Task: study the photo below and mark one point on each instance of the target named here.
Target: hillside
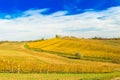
(90, 49)
(16, 58)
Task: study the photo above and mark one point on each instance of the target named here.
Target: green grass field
(54, 76)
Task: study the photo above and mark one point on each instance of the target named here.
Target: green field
(54, 76)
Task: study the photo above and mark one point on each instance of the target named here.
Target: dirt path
(117, 78)
(46, 57)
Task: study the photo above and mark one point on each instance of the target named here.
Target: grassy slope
(15, 58)
(99, 50)
(104, 76)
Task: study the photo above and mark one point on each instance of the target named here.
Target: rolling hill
(89, 49)
(19, 57)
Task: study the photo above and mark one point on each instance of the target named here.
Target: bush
(57, 36)
(78, 55)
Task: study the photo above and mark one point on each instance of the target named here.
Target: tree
(78, 55)
(57, 36)
(42, 39)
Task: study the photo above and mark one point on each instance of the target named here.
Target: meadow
(54, 76)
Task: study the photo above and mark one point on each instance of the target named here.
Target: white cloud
(34, 25)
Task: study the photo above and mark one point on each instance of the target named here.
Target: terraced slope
(99, 50)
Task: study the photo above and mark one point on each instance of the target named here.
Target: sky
(36, 19)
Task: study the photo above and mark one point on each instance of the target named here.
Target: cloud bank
(34, 25)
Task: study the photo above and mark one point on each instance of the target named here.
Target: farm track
(48, 58)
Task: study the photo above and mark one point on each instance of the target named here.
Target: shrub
(57, 36)
(78, 55)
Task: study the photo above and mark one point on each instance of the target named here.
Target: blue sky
(72, 6)
(35, 19)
